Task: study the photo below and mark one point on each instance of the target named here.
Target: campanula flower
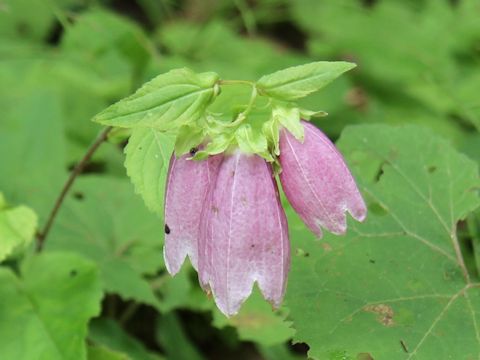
(244, 235)
(317, 182)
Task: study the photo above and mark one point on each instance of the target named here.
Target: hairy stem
(42, 235)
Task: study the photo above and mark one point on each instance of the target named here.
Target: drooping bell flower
(317, 182)
(188, 183)
(244, 234)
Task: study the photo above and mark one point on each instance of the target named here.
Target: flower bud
(244, 234)
(317, 182)
(188, 183)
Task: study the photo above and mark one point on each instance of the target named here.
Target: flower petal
(244, 236)
(188, 184)
(317, 182)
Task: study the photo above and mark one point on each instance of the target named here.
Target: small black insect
(167, 229)
(193, 151)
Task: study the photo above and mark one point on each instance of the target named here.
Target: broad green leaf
(258, 322)
(289, 117)
(106, 332)
(104, 353)
(17, 227)
(44, 313)
(174, 340)
(393, 287)
(166, 102)
(147, 156)
(105, 221)
(299, 81)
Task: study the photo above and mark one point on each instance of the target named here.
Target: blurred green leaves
(44, 312)
(17, 227)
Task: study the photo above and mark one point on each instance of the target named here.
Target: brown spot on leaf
(384, 313)
(327, 247)
(364, 356)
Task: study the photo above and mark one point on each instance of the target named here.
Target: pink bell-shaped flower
(188, 183)
(317, 182)
(244, 234)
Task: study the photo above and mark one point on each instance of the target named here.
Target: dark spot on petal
(252, 246)
(193, 151)
(167, 229)
(215, 209)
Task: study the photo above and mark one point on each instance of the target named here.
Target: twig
(42, 235)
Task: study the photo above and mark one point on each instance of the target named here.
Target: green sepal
(166, 102)
(188, 137)
(251, 141)
(271, 130)
(289, 117)
(309, 114)
(217, 145)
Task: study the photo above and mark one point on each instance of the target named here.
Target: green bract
(168, 101)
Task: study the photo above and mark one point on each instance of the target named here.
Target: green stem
(236, 82)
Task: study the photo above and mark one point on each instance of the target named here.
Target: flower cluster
(225, 213)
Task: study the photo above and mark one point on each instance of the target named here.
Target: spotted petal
(188, 184)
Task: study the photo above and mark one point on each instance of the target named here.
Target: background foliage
(403, 285)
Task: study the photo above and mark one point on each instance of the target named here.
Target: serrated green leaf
(166, 102)
(188, 137)
(106, 222)
(252, 141)
(394, 287)
(258, 322)
(299, 81)
(17, 227)
(148, 153)
(289, 117)
(44, 314)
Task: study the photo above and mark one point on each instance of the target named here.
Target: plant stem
(236, 82)
(42, 235)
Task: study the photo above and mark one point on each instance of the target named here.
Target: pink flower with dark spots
(188, 183)
(317, 182)
(244, 234)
